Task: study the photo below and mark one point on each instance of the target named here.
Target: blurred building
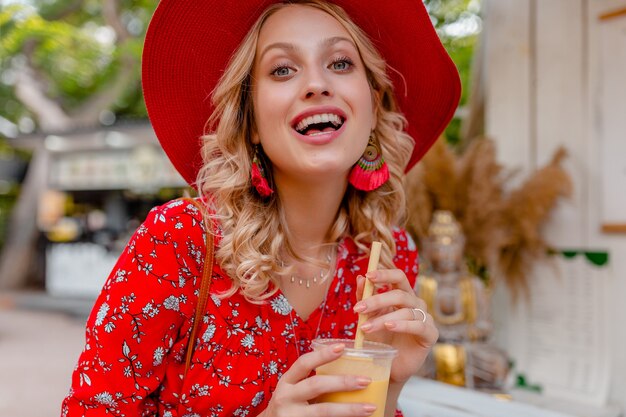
(85, 194)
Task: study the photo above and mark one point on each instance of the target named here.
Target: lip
(322, 138)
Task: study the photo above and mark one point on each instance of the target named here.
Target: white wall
(546, 86)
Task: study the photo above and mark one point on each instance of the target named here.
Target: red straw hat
(189, 43)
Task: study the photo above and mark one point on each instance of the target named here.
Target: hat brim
(189, 43)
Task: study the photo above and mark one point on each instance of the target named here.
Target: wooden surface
(426, 398)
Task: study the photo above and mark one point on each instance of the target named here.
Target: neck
(310, 211)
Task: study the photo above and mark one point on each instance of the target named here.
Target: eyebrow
(293, 48)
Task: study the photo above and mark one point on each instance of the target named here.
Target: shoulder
(175, 219)
(173, 212)
(170, 242)
(168, 246)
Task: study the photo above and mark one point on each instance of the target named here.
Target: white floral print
(280, 305)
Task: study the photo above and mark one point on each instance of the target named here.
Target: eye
(281, 70)
(342, 64)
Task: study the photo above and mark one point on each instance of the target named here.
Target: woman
(302, 163)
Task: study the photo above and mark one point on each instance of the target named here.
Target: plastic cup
(373, 361)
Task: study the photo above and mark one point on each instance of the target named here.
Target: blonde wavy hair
(254, 230)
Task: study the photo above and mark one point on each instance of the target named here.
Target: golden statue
(459, 303)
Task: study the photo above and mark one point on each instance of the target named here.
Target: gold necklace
(296, 341)
(307, 281)
(323, 275)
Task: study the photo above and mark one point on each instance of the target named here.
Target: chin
(328, 172)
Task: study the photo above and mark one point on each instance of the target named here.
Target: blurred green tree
(69, 63)
(459, 24)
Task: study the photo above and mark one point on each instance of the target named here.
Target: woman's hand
(393, 319)
(296, 389)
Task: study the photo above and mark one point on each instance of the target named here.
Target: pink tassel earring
(258, 178)
(370, 171)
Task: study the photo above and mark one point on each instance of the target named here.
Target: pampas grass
(502, 227)
(419, 203)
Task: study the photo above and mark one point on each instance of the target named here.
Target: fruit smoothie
(373, 360)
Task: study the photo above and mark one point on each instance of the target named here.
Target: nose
(317, 85)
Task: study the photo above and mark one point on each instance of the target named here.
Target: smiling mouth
(319, 124)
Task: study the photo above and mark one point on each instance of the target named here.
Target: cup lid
(369, 349)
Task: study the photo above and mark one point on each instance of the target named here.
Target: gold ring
(414, 312)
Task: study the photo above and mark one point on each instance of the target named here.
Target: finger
(426, 332)
(375, 324)
(314, 386)
(395, 298)
(360, 285)
(394, 277)
(306, 363)
(341, 409)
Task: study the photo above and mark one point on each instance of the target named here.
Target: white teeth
(319, 118)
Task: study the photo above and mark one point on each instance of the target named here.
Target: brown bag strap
(207, 271)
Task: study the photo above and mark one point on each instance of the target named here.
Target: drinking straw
(367, 292)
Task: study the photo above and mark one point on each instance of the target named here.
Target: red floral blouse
(137, 334)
